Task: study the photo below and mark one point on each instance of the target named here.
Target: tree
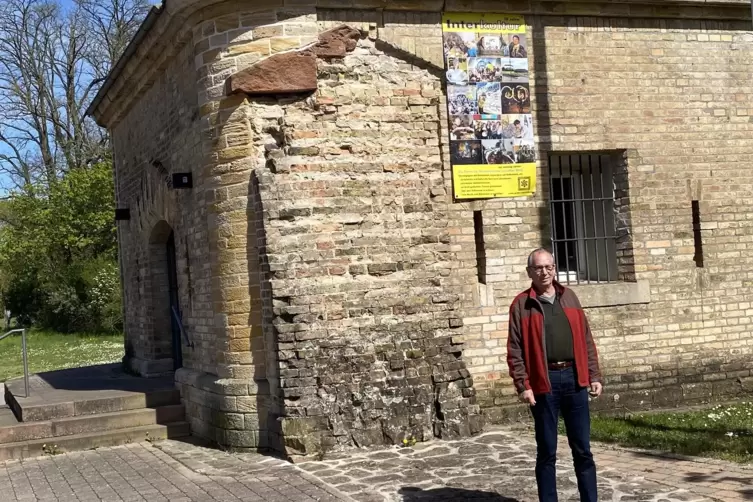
(59, 250)
(112, 24)
(52, 61)
(57, 234)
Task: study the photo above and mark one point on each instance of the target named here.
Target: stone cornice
(163, 33)
(170, 26)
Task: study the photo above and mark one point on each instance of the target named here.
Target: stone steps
(7, 417)
(69, 426)
(90, 440)
(29, 411)
(85, 408)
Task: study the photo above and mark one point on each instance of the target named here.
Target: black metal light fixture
(182, 180)
(122, 214)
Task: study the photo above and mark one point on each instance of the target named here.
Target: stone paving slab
(144, 472)
(718, 479)
(279, 475)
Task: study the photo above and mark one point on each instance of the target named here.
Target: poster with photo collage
(492, 146)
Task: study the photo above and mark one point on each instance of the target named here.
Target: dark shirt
(557, 331)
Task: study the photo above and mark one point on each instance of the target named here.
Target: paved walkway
(495, 466)
(143, 472)
(716, 479)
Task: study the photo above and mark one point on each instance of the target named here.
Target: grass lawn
(724, 432)
(51, 351)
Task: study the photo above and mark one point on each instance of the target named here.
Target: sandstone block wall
(345, 188)
(359, 251)
(225, 390)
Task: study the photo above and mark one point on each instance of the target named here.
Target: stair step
(90, 440)
(26, 431)
(29, 411)
(7, 417)
(118, 420)
(153, 399)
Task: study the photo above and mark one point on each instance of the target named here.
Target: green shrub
(58, 254)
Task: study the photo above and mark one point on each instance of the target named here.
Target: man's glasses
(541, 268)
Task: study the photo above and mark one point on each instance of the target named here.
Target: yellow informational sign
(492, 148)
(488, 23)
(488, 181)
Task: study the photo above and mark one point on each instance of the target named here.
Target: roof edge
(157, 12)
(133, 45)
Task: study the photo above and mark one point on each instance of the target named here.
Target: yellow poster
(488, 181)
(486, 22)
(492, 148)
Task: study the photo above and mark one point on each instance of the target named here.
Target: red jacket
(526, 347)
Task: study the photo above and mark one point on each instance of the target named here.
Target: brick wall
(656, 104)
(338, 194)
(651, 87)
(160, 136)
(358, 244)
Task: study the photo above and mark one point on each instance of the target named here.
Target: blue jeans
(572, 401)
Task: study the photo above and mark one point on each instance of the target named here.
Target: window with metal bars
(582, 209)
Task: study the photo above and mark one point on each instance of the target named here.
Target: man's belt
(559, 365)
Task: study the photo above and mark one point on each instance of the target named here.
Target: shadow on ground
(703, 477)
(411, 494)
(98, 377)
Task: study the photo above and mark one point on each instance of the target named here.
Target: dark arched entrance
(165, 299)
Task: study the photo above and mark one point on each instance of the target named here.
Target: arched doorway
(165, 304)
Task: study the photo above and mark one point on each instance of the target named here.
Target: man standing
(554, 366)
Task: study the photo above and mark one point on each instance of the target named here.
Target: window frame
(608, 227)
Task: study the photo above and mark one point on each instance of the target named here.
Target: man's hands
(527, 397)
(595, 389)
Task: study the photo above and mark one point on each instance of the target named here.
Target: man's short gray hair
(537, 251)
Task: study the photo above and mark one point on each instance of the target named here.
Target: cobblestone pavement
(496, 467)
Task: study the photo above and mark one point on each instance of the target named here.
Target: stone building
(314, 283)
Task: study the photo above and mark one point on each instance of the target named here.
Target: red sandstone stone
(285, 73)
(337, 42)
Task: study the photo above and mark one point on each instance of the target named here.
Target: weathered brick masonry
(326, 278)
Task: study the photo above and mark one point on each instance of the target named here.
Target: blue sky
(4, 180)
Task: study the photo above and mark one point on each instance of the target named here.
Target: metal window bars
(583, 233)
(23, 354)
